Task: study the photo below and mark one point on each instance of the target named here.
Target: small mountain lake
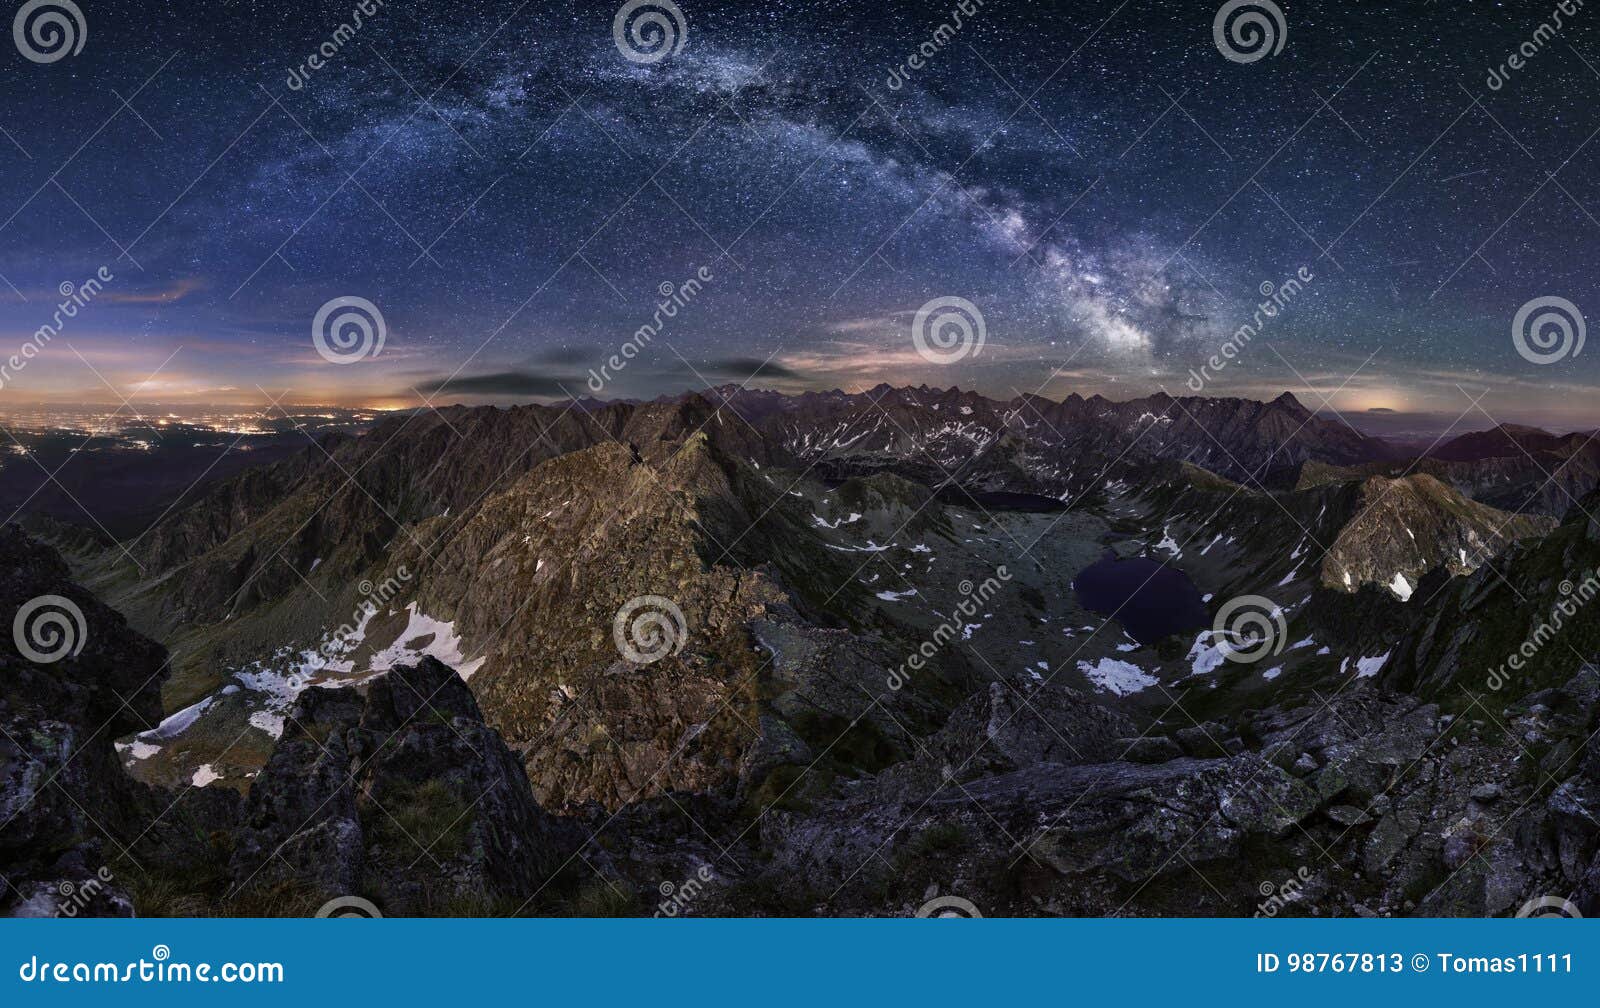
(1150, 599)
(1000, 500)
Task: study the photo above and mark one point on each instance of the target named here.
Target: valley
(1217, 631)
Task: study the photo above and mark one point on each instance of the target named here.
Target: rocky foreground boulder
(73, 678)
(397, 791)
(1365, 803)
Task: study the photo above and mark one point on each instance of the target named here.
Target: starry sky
(513, 193)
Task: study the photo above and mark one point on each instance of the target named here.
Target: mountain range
(830, 653)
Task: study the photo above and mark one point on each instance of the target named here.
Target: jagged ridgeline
(826, 653)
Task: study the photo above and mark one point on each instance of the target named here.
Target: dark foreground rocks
(72, 679)
(397, 790)
(1026, 800)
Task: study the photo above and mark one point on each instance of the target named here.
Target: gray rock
(399, 790)
(1348, 816)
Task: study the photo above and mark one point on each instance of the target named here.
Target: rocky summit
(745, 653)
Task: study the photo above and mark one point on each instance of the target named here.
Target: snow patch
(894, 596)
(1207, 654)
(445, 645)
(1111, 675)
(822, 522)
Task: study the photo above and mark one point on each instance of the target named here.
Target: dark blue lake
(1150, 599)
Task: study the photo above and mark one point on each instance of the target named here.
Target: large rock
(397, 790)
(75, 678)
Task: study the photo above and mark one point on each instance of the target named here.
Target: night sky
(1103, 184)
